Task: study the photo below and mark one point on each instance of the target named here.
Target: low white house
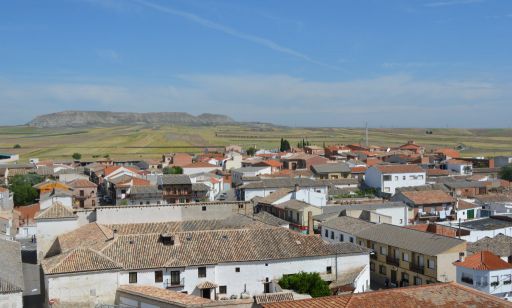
(459, 166)
(387, 178)
(486, 272)
(215, 265)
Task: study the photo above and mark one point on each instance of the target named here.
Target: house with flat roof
(387, 178)
(331, 171)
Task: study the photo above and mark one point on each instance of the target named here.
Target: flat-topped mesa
(106, 118)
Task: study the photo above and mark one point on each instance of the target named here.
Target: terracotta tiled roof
(437, 172)
(431, 295)
(206, 285)
(267, 298)
(428, 197)
(91, 235)
(399, 168)
(276, 195)
(56, 211)
(82, 183)
(78, 260)
(271, 162)
(458, 162)
(484, 261)
(464, 205)
(164, 295)
(2, 189)
(361, 169)
(448, 152)
(144, 251)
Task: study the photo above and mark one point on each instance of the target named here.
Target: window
(506, 279)
(405, 256)
(382, 269)
(417, 281)
(266, 264)
(372, 266)
(386, 178)
(223, 289)
(237, 269)
(420, 177)
(203, 208)
(396, 178)
(495, 281)
(467, 278)
(132, 277)
(93, 202)
(342, 238)
(201, 272)
(401, 220)
(332, 235)
(351, 239)
(297, 217)
(175, 278)
(403, 178)
(159, 276)
(373, 246)
(431, 264)
(326, 233)
(405, 277)
(328, 269)
(383, 250)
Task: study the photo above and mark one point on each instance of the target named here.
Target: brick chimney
(310, 223)
(491, 163)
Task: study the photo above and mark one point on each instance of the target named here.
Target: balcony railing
(428, 215)
(393, 260)
(417, 268)
(169, 283)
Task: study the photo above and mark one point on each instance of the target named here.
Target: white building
(239, 174)
(200, 167)
(6, 199)
(216, 264)
(51, 222)
(387, 178)
(232, 160)
(486, 272)
(460, 166)
(266, 187)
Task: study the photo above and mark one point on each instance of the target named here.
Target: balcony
(392, 260)
(428, 215)
(420, 269)
(169, 284)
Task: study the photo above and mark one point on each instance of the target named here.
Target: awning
(207, 285)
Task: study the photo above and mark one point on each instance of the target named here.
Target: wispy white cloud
(399, 99)
(262, 41)
(108, 54)
(451, 2)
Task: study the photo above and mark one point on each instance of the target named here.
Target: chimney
(461, 256)
(114, 234)
(491, 163)
(310, 223)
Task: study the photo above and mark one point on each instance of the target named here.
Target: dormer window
(167, 239)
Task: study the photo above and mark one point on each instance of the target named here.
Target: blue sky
(410, 63)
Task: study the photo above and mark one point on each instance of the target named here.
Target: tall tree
(21, 187)
(506, 173)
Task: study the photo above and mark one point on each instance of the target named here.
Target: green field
(149, 142)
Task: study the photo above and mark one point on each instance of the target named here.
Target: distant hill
(105, 118)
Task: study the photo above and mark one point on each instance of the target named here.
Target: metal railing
(169, 283)
(417, 268)
(392, 260)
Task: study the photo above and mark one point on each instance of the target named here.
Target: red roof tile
(484, 261)
(399, 168)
